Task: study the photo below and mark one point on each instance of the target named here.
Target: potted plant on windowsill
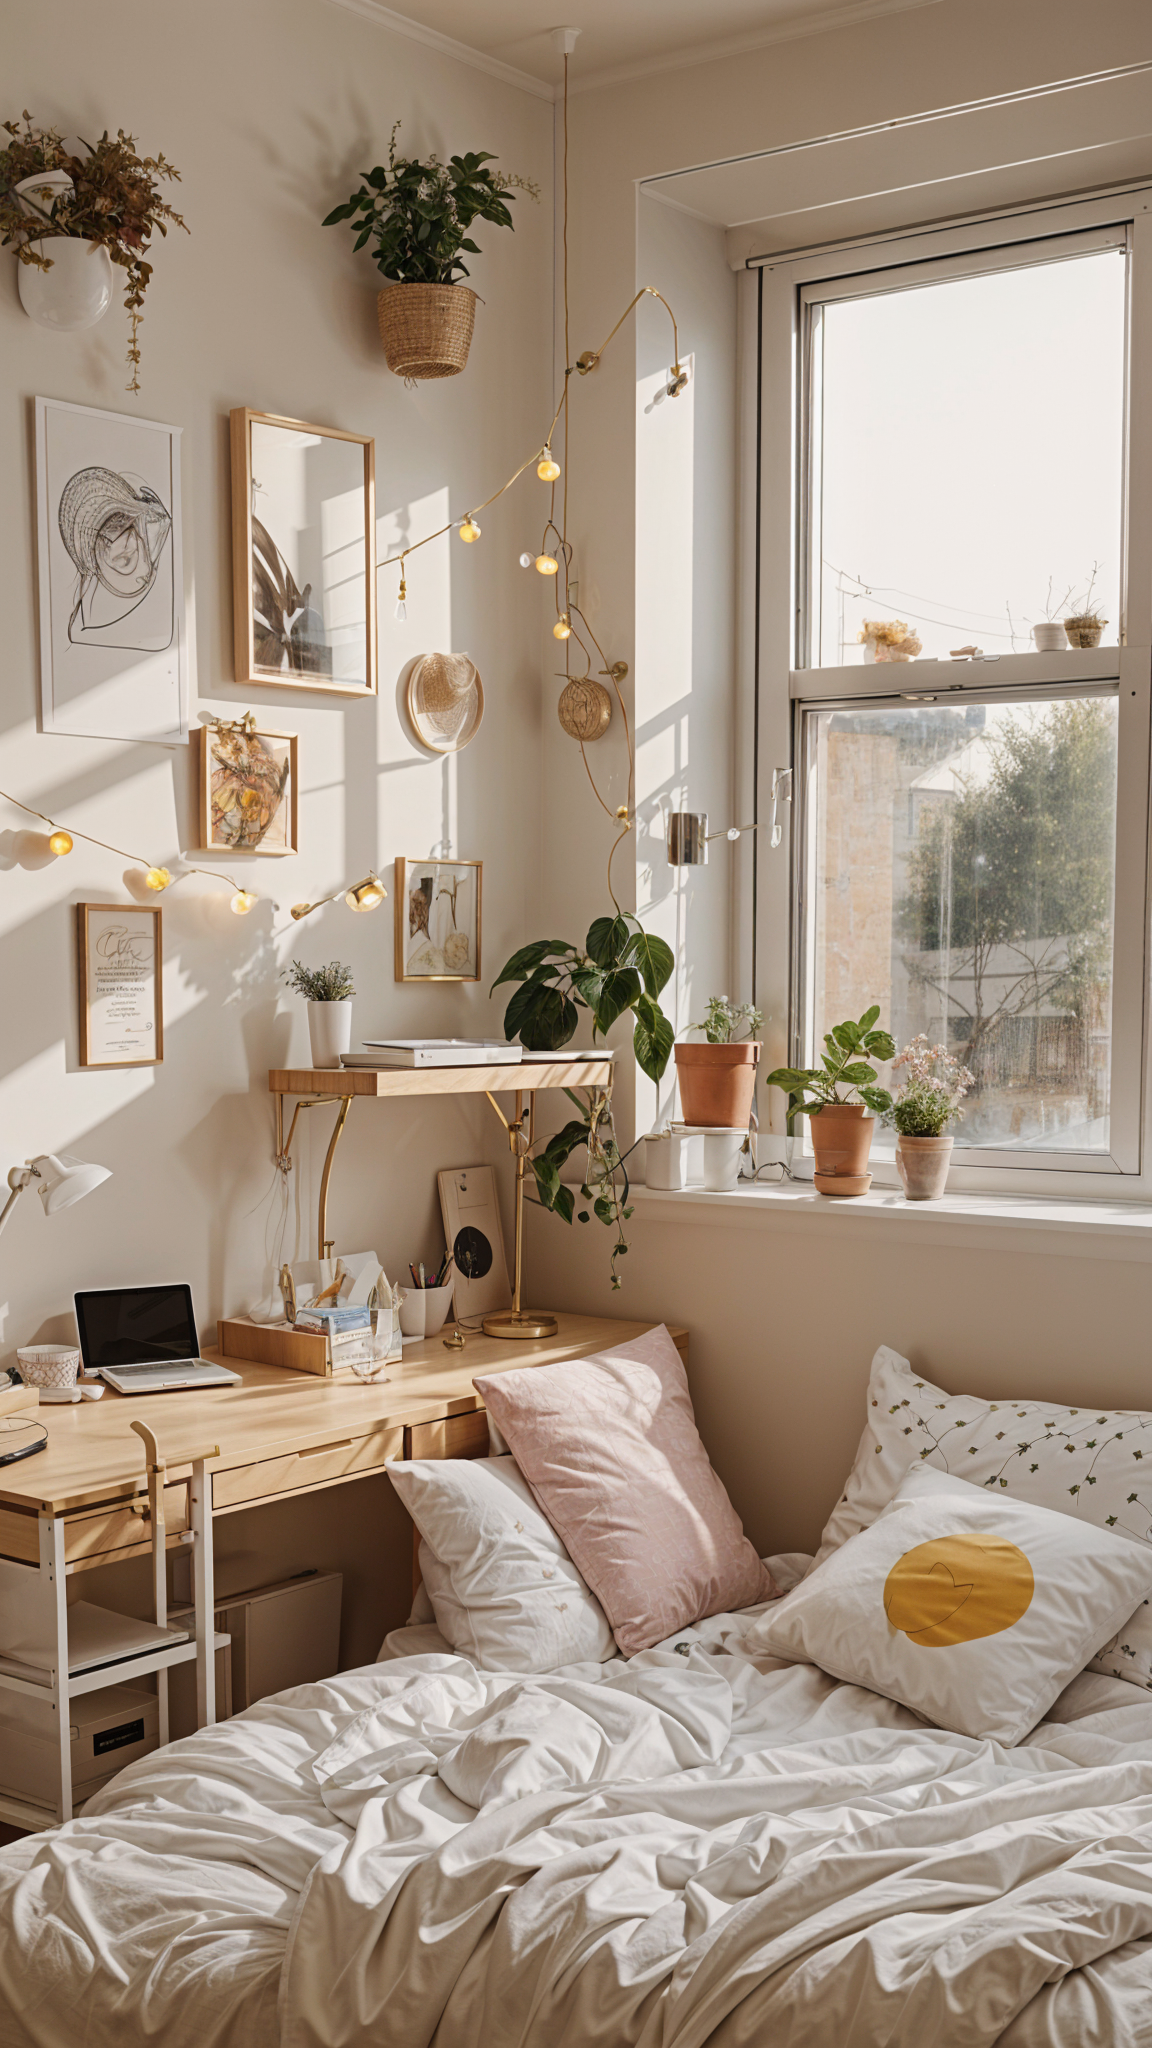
(70, 217)
(927, 1101)
(841, 1128)
(1085, 625)
(718, 1079)
(328, 991)
(417, 216)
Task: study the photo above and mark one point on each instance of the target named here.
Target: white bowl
(48, 1365)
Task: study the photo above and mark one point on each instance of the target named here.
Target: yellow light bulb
(547, 469)
(562, 630)
(365, 895)
(242, 902)
(547, 565)
(622, 813)
(300, 910)
(157, 878)
(469, 530)
(60, 842)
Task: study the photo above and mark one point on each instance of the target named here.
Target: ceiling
(632, 36)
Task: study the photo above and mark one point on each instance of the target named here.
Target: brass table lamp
(518, 1322)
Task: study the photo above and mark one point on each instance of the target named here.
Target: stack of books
(348, 1332)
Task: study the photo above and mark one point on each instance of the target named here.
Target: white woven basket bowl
(48, 1365)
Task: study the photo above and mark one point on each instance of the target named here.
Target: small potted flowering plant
(927, 1100)
(888, 640)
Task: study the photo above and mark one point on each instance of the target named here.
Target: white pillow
(973, 1610)
(504, 1590)
(1093, 1464)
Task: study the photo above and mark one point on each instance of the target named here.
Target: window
(970, 835)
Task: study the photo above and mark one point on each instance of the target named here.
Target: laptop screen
(135, 1326)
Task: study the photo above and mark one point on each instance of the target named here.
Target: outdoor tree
(1012, 878)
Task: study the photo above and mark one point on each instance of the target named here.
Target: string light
(526, 560)
(401, 607)
(562, 630)
(61, 843)
(547, 564)
(242, 902)
(157, 878)
(547, 469)
(469, 530)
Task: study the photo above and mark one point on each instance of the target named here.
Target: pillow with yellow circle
(973, 1610)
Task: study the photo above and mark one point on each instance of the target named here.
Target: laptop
(143, 1340)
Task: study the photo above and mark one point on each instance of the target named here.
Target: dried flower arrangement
(115, 201)
(930, 1096)
(1083, 623)
(889, 639)
(331, 984)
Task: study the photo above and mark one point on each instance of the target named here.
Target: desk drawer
(93, 1535)
(451, 1436)
(326, 1465)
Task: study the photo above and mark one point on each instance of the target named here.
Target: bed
(697, 1845)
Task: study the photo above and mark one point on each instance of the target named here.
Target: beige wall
(270, 110)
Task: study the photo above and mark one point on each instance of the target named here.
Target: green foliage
(331, 984)
(621, 968)
(724, 1021)
(842, 1067)
(116, 202)
(1019, 867)
(417, 215)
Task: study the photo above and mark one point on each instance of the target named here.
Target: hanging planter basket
(426, 329)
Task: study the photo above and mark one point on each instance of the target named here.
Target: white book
(435, 1052)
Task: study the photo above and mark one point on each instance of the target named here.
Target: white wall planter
(330, 1031)
(75, 293)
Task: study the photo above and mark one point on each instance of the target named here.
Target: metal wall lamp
(689, 837)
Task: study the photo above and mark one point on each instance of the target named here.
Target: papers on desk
(435, 1052)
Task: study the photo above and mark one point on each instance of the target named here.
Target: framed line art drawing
(303, 554)
(248, 788)
(121, 1000)
(438, 919)
(113, 659)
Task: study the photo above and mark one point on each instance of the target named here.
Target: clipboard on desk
(473, 1234)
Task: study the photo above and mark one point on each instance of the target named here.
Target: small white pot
(75, 293)
(1049, 636)
(330, 1031)
(424, 1310)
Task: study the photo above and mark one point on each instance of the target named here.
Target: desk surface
(93, 1455)
(532, 1075)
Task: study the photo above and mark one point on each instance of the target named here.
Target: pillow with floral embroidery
(1090, 1463)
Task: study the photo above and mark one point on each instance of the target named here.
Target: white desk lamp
(62, 1181)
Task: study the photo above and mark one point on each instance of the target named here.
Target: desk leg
(203, 1596)
(54, 1583)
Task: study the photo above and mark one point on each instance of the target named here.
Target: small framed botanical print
(248, 788)
(121, 999)
(438, 919)
(303, 554)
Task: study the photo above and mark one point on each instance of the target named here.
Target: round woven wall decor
(585, 709)
(445, 701)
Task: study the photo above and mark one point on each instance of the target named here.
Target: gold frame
(204, 798)
(247, 673)
(400, 914)
(123, 910)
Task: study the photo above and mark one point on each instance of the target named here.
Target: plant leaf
(859, 1074)
(869, 1018)
(619, 990)
(655, 959)
(653, 1038)
(551, 1021)
(607, 941)
(880, 1045)
(523, 963)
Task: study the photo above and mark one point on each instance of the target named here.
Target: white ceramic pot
(330, 1031)
(75, 293)
(48, 1365)
(423, 1310)
(722, 1151)
(38, 194)
(922, 1164)
(1049, 636)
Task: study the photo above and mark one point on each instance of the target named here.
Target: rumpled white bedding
(692, 1847)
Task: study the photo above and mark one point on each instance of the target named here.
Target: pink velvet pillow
(610, 1448)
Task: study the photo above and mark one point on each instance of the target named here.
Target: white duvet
(692, 1847)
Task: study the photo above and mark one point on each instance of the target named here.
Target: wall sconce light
(363, 895)
(689, 837)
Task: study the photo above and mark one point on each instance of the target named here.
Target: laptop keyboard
(180, 1368)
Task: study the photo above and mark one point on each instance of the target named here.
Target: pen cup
(423, 1310)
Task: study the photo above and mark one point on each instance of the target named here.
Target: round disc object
(584, 709)
(445, 701)
(529, 1323)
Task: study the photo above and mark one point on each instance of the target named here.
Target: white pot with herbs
(927, 1101)
(328, 992)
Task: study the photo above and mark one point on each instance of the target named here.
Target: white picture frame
(109, 533)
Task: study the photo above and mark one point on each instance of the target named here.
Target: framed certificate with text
(121, 1004)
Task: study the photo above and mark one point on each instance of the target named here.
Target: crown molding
(447, 46)
(792, 30)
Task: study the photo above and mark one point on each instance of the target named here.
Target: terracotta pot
(717, 1083)
(842, 1140)
(922, 1164)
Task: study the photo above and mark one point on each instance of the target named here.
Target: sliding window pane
(961, 873)
(967, 458)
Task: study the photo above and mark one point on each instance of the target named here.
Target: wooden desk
(280, 1434)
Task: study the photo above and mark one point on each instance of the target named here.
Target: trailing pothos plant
(620, 968)
(845, 1070)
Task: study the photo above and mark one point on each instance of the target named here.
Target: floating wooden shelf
(382, 1081)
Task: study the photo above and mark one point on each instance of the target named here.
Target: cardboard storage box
(110, 1728)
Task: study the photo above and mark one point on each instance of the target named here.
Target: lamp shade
(64, 1180)
(688, 839)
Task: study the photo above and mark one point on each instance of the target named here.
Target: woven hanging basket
(426, 328)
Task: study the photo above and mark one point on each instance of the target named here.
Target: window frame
(779, 686)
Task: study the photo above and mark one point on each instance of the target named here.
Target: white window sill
(1015, 1223)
